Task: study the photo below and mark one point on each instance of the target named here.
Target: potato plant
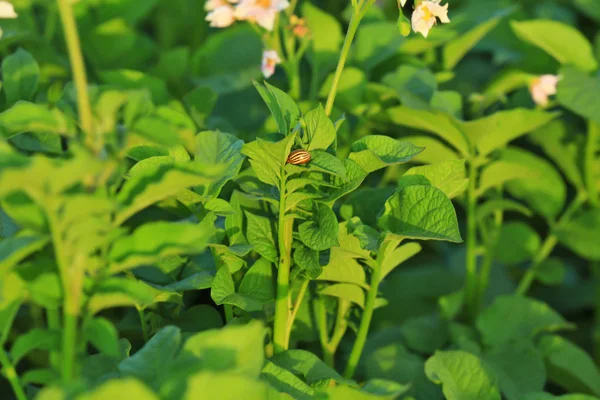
(300, 199)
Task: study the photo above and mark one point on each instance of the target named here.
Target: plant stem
(359, 11)
(365, 323)
(549, 244)
(595, 269)
(297, 305)
(69, 339)
(282, 311)
(321, 316)
(471, 256)
(10, 373)
(143, 322)
(53, 318)
(590, 157)
(79, 75)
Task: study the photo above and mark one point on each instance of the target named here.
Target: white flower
(543, 87)
(221, 17)
(7, 10)
(424, 16)
(214, 4)
(263, 12)
(270, 60)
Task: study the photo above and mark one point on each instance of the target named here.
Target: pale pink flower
(270, 60)
(425, 14)
(263, 12)
(7, 10)
(543, 87)
(211, 5)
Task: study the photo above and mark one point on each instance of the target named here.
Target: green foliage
(157, 241)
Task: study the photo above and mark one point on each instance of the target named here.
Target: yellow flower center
(427, 14)
(263, 3)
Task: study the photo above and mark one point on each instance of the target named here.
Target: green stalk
(53, 324)
(595, 267)
(297, 304)
(321, 316)
(79, 75)
(143, 322)
(365, 322)
(69, 341)
(548, 245)
(282, 311)
(10, 373)
(359, 12)
(590, 157)
(471, 256)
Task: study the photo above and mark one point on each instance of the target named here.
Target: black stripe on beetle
(298, 157)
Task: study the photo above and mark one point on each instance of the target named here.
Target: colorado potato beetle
(298, 157)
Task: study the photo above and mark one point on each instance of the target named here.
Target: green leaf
(517, 243)
(29, 117)
(383, 387)
(223, 292)
(421, 212)
(42, 376)
(424, 334)
(151, 362)
(462, 376)
(435, 150)
(376, 42)
(306, 365)
(519, 367)
(219, 149)
(374, 152)
(562, 147)
(308, 261)
(545, 194)
(448, 176)
(237, 349)
(551, 271)
(228, 387)
(286, 382)
(396, 257)
(200, 103)
(365, 203)
(13, 293)
(121, 292)
(16, 248)
(258, 282)
(320, 129)
(327, 33)
(260, 235)
(563, 42)
(35, 339)
(123, 387)
(153, 241)
(416, 86)
(570, 366)
(497, 173)
(282, 107)
(457, 48)
(328, 163)
(103, 335)
(548, 396)
(489, 207)
(495, 131)
(436, 122)
(579, 92)
(321, 231)
(268, 158)
(355, 175)
(581, 233)
(346, 291)
(20, 76)
(155, 179)
(512, 318)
